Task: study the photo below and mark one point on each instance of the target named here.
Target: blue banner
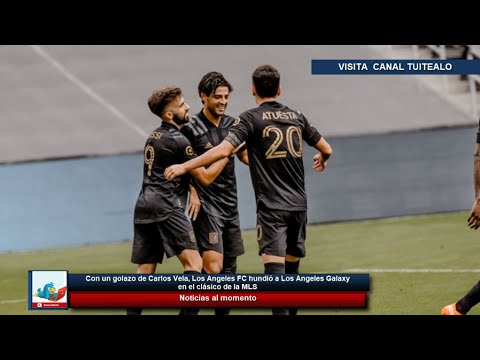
(395, 67)
(209, 282)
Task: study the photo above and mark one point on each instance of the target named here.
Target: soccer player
(472, 298)
(160, 223)
(274, 136)
(216, 222)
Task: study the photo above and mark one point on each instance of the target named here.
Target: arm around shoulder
(208, 175)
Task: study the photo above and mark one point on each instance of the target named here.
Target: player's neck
(260, 100)
(215, 120)
(171, 122)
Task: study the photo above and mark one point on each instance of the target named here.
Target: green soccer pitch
(416, 264)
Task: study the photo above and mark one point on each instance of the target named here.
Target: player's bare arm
(208, 175)
(320, 159)
(194, 203)
(222, 150)
(243, 157)
(474, 218)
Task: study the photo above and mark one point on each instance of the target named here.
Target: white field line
(14, 301)
(88, 90)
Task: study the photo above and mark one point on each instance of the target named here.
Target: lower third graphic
(47, 290)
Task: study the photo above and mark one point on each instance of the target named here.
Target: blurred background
(74, 120)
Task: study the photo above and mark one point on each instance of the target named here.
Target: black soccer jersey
(158, 197)
(274, 137)
(220, 197)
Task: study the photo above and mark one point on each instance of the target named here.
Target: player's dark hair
(211, 81)
(158, 101)
(266, 80)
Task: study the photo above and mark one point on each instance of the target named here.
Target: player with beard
(216, 221)
(274, 135)
(160, 223)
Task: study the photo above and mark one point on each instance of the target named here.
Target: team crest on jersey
(189, 150)
(209, 145)
(192, 236)
(236, 122)
(213, 238)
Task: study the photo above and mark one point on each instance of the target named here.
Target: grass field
(416, 265)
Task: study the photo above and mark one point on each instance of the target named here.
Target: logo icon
(213, 238)
(47, 289)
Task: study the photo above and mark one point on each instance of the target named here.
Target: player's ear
(254, 92)
(279, 91)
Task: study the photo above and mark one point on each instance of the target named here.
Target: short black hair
(211, 81)
(266, 80)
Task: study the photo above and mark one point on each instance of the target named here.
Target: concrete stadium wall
(85, 201)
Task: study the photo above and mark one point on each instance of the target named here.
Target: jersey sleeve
(310, 134)
(239, 131)
(185, 149)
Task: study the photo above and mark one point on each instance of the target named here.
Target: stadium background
(74, 121)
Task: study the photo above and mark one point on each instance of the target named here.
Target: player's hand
(174, 171)
(474, 218)
(194, 204)
(318, 163)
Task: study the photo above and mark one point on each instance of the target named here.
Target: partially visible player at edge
(274, 136)
(216, 221)
(472, 298)
(160, 223)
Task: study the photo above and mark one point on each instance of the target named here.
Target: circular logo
(189, 150)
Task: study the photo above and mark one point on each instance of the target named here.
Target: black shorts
(170, 236)
(281, 232)
(214, 233)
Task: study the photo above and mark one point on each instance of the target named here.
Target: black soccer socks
(276, 268)
(292, 268)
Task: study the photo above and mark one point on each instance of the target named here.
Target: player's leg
(208, 232)
(296, 234)
(192, 264)
(142, 269)
(464, 305)
(147, 251)
(180, 241)
(232, 248)
(470, 300)
(272, 242)
(292, 266)
(212, 261)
